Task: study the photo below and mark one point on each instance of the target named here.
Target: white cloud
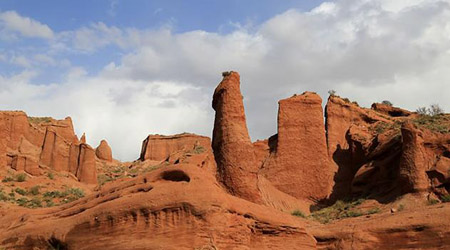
(365, 50)
(10, 21)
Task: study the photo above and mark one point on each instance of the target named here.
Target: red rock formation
(300, 165)
(234, 153)
(390, 110)
(30, 144)
(340, 115)
(180, 206)
(86, 171)
(414, 161)
(103, 151)
(159, 147)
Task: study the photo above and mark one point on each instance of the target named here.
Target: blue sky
(126, 69)
(181, 16)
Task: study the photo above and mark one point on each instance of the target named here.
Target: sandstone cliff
(36, 144)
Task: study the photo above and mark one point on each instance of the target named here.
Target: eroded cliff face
(299, 165)
(35, 144)
(160, 147)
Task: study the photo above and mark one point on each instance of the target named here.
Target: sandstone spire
(233, 150)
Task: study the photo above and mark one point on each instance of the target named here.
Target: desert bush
(34, 203)
(422, 111)
(21, 177)
(50, 175)
(20, 191)
(435, 110)
(298, 213)
(198, 149)
(34, 190)
(8, 179)
(339, 210)
(432, 202)
(22, 202)
(374, 210)
(445, 198)
(332, 92)
(3, 196)
(386, 102)
(401, 207)
(53, 194)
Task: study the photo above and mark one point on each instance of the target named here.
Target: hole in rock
(175, 175)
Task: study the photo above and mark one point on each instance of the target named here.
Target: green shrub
(298, 213)
(22, 202)
(50, 175)
(401, 207)
(432, 202)
(20, 191)
(445, 198)
(3, 196)
(388, 103)
(8, 179)
(374, 210)
(35, 203)
(198, 149)
(339, 210)
(34, 190)
(78, 193)
(21, 177)
(53, 194)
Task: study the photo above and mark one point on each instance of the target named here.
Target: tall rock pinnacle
(233, 150)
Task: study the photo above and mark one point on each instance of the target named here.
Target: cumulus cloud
(368, 51)
(11, 22)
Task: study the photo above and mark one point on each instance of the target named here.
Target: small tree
(435, 110)
(332, 92)
(386, 102)
(422, 111)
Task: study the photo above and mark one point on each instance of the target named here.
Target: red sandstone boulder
(300, 165)
(160, 147)
(234, 153)
(103, 151)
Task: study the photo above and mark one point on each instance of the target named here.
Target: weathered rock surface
(180, 206)
(425, 228)
(103, 151)
(234, 153)
(160, 147)
(414, 161)
(299, 165)
(32, 144)
(390, 110)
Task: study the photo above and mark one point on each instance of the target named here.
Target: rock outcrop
(180, 206)
(235, 157)
(33, 145)
(299, 165)
(160, 147)
(103, 151)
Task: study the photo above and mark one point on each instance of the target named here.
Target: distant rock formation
(160, 147)
(33, 144)
(103, 151)
(235, 157)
